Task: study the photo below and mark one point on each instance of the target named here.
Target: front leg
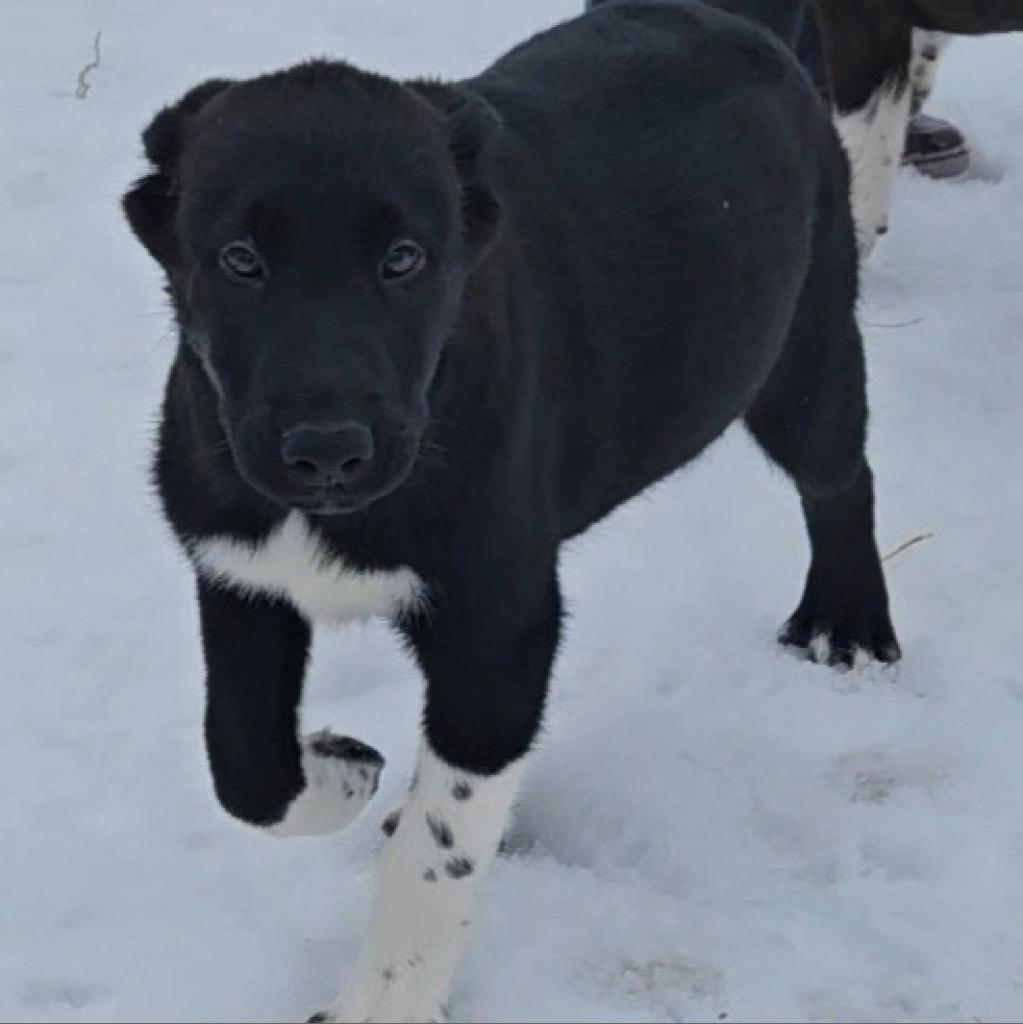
(263, 772)
(487, 662)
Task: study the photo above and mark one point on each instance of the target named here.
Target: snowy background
(713, 830)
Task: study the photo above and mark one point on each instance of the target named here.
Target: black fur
(784, 17)
(868, 42)
(637, 231)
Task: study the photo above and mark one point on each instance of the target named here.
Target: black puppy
(881, 57)
(428, 332)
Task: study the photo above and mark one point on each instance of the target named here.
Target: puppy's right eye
(241, 262)
(404, 259)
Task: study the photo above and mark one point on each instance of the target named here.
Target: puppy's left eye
(404, 259)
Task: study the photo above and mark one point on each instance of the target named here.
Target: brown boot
(936, 148)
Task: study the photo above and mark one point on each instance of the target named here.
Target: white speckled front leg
(427, 883)
(874, 136)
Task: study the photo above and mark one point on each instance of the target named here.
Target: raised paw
(341, 776)
(841, 645)
(326, 744)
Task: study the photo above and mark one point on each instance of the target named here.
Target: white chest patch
(293, 562)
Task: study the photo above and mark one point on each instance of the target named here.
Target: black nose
(322, 454)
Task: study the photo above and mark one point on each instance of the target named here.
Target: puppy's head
(316, 228)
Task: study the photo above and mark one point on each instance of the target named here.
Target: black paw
(317, 1018)
(828, 640)
(326, 744)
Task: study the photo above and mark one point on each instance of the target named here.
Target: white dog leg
(923, 69)
(427, 884)
(874, 137)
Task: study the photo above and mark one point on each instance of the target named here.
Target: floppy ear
(151, 203)
(474, 127)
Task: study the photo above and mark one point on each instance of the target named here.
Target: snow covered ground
(713, 830)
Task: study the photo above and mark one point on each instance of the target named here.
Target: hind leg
(923, 73)
(868, 45)
(811, 421)
(843, 617)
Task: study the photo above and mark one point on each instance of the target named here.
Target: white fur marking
(293, 562)
(819, 649)
(861, 659)
(336, 790)
(426, 887)
(874, 137)
(923, 68)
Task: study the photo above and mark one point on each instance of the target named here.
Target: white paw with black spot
(341, 776)
(392, 1007)
(432, 1016)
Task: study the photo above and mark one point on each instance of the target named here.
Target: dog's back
(977, 17)
(659, 153)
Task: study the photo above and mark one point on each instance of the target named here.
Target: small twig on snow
(83, 76)
(904, 323)
(918, 539)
